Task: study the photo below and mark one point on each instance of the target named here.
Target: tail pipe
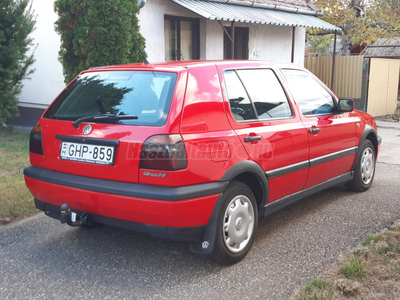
(73, 219)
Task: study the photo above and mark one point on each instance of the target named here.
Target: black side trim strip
(126, 189)
(281, 203)
(288, 169)
(326, 158)
(379, 140)
(90, 141)
(311, 163)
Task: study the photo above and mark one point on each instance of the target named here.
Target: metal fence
(348, 74)
(372, 82)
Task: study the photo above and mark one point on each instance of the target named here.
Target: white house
(183, 29)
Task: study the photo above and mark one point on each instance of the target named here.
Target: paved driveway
(42, 259)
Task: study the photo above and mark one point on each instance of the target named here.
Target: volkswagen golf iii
(195, 151)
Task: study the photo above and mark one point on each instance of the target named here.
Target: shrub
(97, 33)
(16, 23)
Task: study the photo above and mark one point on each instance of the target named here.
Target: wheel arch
(372, 136)
(368, 134)
(251, 174)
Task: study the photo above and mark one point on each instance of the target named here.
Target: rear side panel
(212, 146)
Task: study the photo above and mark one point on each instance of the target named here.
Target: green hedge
(97, 33)
(16, 23)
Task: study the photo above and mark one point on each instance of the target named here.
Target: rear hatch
(97, 126)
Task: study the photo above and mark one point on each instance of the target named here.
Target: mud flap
(206, 245)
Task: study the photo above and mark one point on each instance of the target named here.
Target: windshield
(144, 94)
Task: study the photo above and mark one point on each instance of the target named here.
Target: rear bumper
(193, 233)
(179, 213)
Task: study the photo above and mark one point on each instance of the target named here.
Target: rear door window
(145, 94)
(256, 94)
(266, 93)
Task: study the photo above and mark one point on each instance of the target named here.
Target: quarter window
(312, 97)
(256, 94)
(241, 106)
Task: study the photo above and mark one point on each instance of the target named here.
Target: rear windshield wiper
(103, 117)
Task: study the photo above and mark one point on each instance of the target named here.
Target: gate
(383, 86)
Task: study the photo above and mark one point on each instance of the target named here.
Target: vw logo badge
(87, 129)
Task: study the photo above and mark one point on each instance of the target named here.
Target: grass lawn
(371, 271)
(15, 200)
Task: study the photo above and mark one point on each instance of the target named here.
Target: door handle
(252, 138)
(314, 129)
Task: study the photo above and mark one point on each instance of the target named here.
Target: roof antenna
(146, 62)
(141, 4)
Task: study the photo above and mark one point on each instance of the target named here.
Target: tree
(17, 21)
(320, 44)
(363, 20)
(97, 33)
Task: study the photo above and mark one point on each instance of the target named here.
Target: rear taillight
(35, 142)
(163, 152)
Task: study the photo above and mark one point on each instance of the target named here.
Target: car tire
(236, 226)
(365, 169)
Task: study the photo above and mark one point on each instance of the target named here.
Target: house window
(182, 38)
(241, 44)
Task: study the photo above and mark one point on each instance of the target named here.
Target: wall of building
(151, 21)
(48, 80)
(266, 42)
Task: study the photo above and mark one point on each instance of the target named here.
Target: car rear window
(145, 94)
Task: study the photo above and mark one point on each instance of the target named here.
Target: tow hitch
(73, 219)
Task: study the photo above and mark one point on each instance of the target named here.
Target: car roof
(175, 66)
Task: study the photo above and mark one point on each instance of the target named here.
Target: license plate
(94, 154)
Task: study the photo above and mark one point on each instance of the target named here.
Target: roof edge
(250, 3)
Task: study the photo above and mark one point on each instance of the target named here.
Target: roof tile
(299, 4)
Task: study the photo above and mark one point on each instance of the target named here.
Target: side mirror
(346, 105)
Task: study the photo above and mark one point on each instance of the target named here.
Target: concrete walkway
(388, 124)
(390, 133)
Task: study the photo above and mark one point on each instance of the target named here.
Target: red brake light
(163, 152)
(35, 142)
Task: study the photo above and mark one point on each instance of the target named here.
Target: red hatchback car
(195, 151)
